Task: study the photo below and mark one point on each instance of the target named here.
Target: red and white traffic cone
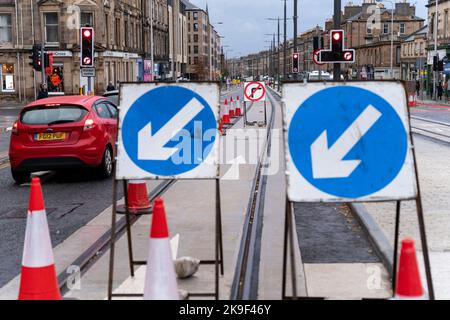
(160, 277)
(38, 277)
(409, 286)
(232, 108)
(238, 107)
(226, 113)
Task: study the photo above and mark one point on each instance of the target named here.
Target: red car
(64, 132)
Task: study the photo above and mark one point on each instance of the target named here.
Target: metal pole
(295, 33)
(392, 41)
(43, 63)
(285, 43)
(436, 25)
(151, 41)
(337, 25)
(279, 57)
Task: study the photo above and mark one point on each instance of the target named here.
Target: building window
(446, 25)
(195, 38)
(195, 49)
(195, 26)
(402, 28)
(195, 15)
(7, 76)
(117, 32)
(87, 19)
(51, 27)
(5, 28)
(386, 28)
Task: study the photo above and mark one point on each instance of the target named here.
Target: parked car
(113, 96)
(64, 132)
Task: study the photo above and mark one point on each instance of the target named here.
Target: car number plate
(54, 136)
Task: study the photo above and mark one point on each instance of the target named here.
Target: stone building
(204, 45)
(368, 30)
(122, 43)
(177, 39)
(414, 55)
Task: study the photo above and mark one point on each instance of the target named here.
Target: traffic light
(87, 47)
(435, 63)
(317, 43)
(35, 57)
(337, 53)
(295, 62)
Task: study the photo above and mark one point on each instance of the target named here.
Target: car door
(104, 115)
(113, 112)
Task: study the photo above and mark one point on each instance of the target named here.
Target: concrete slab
(347, 281)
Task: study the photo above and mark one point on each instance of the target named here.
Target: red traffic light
(295, 55)
(337, 36)
(87, 33)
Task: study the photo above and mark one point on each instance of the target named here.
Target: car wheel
(106, 168)
(20, 176)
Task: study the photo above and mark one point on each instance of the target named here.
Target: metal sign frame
(217, 261)
(288, 246)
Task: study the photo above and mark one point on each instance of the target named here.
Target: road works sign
(348, 142)
(168, 131)
(254, 91)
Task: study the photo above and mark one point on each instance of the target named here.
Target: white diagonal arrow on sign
(151, 146)
(327, 162)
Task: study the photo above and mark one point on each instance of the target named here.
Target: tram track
(245, 281)
(431, 128)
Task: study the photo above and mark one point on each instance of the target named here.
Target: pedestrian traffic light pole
(337, 25)
(285, 43)
(43, 78)
(436, 24)
(295, 32)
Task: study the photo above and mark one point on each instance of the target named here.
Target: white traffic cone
(160, 279)
(38, 277)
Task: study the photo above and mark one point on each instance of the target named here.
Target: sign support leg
(245, 113)
(289, 242)
(217, 241)
(128, 224)
(265, 113)
(292, 253)
(113, 240)
(285, 243)
(396, 238)
(219, 220)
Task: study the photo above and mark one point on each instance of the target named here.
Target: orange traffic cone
(232, 108)
(226, 113)
(408, 286)
(238, 107)
(38, 277)
(138, 202)
(160, 277)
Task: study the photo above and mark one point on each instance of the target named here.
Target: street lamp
(392, 35)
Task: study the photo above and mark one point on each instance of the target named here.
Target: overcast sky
(244, 25)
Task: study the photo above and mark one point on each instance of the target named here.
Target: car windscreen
(53, 115)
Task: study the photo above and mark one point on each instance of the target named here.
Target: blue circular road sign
(169, 131)
(347, 141)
